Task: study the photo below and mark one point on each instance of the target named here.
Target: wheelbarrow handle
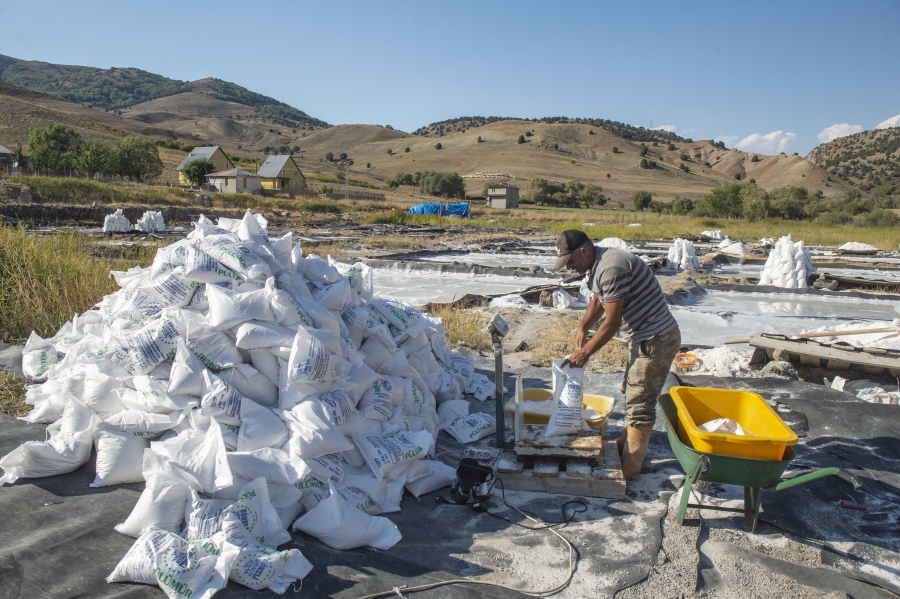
(803, 479)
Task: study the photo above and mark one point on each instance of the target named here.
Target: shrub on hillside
(682, 205)
(615, 150)
(643, 151)
(330, 157)
(641, 200)
(438, 146)
(521, 139)
(671, 147)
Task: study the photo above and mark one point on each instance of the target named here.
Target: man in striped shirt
(627, 293)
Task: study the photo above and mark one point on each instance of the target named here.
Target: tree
(96, 158)
(54, 147)
(641, 200)
(660, 207)
(521, 139)
(137, 159)
(643, 163)
(329, 157)
(643, 151)
(682, 206)
(390, 152)
(480, 140)
(590, 131)
(438, 146)
(406, 149)
(608, 176)
(447, 185)
(342, 156)
(737, 176)
(755, 158)
(615, 150)
(368, 165)
(671, 147)
(756, 202)
(723, 201)
(593, 194)
(196, 170)
(684, 167)
(539, 190)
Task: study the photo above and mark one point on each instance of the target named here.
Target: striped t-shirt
(619, 274)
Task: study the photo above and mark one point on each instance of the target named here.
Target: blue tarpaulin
(461, 209)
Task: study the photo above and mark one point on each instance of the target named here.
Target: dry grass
(44, 281)
(465, 327)
(557, 340)
(12, 395)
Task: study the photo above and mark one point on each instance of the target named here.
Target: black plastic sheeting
(57, 537)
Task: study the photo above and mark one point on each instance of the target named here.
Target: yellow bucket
(697, 405)
(539, 406)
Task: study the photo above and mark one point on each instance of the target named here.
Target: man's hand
(577, 359)
(579, 338)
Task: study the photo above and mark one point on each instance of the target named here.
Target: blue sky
(762, 76)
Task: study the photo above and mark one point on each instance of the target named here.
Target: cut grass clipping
(12, 395)
(44, 281)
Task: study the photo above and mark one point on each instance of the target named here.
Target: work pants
(648, 367)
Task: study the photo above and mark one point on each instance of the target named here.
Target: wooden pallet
(834, 356)
(569, 476)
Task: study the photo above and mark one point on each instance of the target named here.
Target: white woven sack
(119, 458)
(339, 524)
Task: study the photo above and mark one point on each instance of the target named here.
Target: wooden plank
(578, 469)
(609, 488)
(826, 353)
(809, 360)
(587, 444)
(838, 365)
(546, 467)
(508, 462)
(610, 466)
(758, 357)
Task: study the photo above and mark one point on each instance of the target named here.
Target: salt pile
(151, 222)
(512, 300)
(116, 223)
(722, 361)
(716, 235)
(250, 387)
(855, 246)
(788, 265)
(682, 256)
(731, 248)
(616, 243)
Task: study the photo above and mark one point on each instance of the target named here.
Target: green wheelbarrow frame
(754, 475)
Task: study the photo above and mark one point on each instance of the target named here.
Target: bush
(879, 218)
(643, 151)
(620, 205)
(723, 202)
(615, 150)
(521, 139)
(390, 152)
(590, 131)
(528, 134)
(641, 200)
(737, 176)
(682, 206)
(330, 157)
(685, 158)
(438, 146)
(342, 156)
(406, 149)
(447, 185)
(643, 163)
(660, 207)
(608, 176)
(684, 168)
(368, 165)
(671, 147)
(755, 158)
(480, 140)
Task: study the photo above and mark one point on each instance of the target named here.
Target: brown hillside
(500, 157)
(22, 110)
(867, 160)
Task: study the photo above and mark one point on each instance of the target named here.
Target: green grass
(86, 192)
(44, 281)
(12, 395)
(322, 208)
(323, 178)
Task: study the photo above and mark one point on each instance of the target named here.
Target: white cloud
(770, 143)
(840, 130)
(894, 121)
(691, 130)
(669, 128)
(727, 139)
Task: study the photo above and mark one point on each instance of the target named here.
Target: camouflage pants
(646, 374)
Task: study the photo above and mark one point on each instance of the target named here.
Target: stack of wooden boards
(837, 355)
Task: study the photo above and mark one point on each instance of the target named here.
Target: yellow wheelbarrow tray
(755, 475)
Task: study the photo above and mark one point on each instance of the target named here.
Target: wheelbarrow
(755, 475)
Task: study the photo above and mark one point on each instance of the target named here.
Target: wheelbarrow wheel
(752, 497)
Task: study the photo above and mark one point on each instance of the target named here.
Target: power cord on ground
(541, 525)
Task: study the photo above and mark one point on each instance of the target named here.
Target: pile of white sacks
(151, 222)
(116, 223)
(254, 390)
(789, 265)
(682, 256)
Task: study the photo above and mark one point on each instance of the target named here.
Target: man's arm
(607, 331)
(593, 314)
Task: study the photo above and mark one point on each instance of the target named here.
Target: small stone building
(502, 195)
(235, 180)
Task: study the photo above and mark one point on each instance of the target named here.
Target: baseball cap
(568, 242)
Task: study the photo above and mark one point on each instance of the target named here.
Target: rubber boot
(620, 442)
(635, 449)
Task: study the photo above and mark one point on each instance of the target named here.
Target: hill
(623, 130)
(555, 151)
(120, 89)
(867, 160)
